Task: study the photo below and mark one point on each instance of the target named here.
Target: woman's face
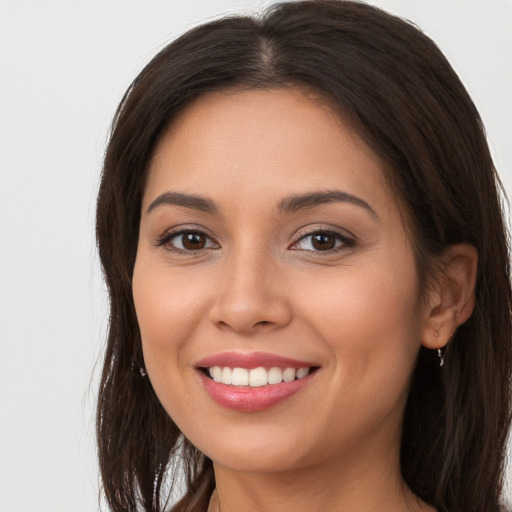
(270, 241)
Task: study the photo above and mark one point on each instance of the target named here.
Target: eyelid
(348, 240)
(165, 239)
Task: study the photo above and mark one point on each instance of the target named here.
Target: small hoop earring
(441, 357)
(142, 371)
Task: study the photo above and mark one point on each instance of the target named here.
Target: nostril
(252, 311)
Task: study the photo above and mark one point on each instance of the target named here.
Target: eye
(322, 241)
(187, 241)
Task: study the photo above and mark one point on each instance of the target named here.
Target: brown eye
(323, 241)
(193, 241)
(187, 241)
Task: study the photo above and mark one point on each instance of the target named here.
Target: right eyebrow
(313, 199)
(187, 200)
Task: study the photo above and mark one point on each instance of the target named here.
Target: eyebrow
(187, 200)
(313, 199)
(289, 204)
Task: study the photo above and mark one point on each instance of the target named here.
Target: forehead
(263, 141)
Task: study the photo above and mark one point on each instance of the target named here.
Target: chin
(254, 450)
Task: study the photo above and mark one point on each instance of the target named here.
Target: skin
(260, 285)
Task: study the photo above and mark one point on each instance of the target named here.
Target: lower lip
(252, 399)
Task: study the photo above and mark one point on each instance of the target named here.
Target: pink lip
(248, 399)
(251, 360)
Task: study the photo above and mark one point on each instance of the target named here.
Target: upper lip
(251, 360)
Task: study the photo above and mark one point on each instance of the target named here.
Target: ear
(452, 295)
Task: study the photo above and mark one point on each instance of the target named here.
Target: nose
(251, 296)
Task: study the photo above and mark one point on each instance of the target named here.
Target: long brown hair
(405, 100)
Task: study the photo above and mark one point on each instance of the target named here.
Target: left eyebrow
(311, 200)
(186, 200)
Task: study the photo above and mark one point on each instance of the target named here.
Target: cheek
(169, 307)
(368, 322)
(369, 319)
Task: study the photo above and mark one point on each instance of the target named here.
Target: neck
(334, 487)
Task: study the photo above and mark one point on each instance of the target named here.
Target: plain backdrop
(63, 68)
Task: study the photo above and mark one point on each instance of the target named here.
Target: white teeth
(256, 377)
(226, 375)
(240, 377)
(216, 373)
(275, 375)
(289, 374)
(301, 372)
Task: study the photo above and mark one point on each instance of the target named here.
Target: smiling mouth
(255, 377)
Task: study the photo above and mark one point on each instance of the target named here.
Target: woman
(301, 233)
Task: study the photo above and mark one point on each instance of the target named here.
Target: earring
(142, 370)
(441, 357)
(436, 333)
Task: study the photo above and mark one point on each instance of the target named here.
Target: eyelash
(166, 239)
(345, 241)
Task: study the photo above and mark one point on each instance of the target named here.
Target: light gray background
(63, 68)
